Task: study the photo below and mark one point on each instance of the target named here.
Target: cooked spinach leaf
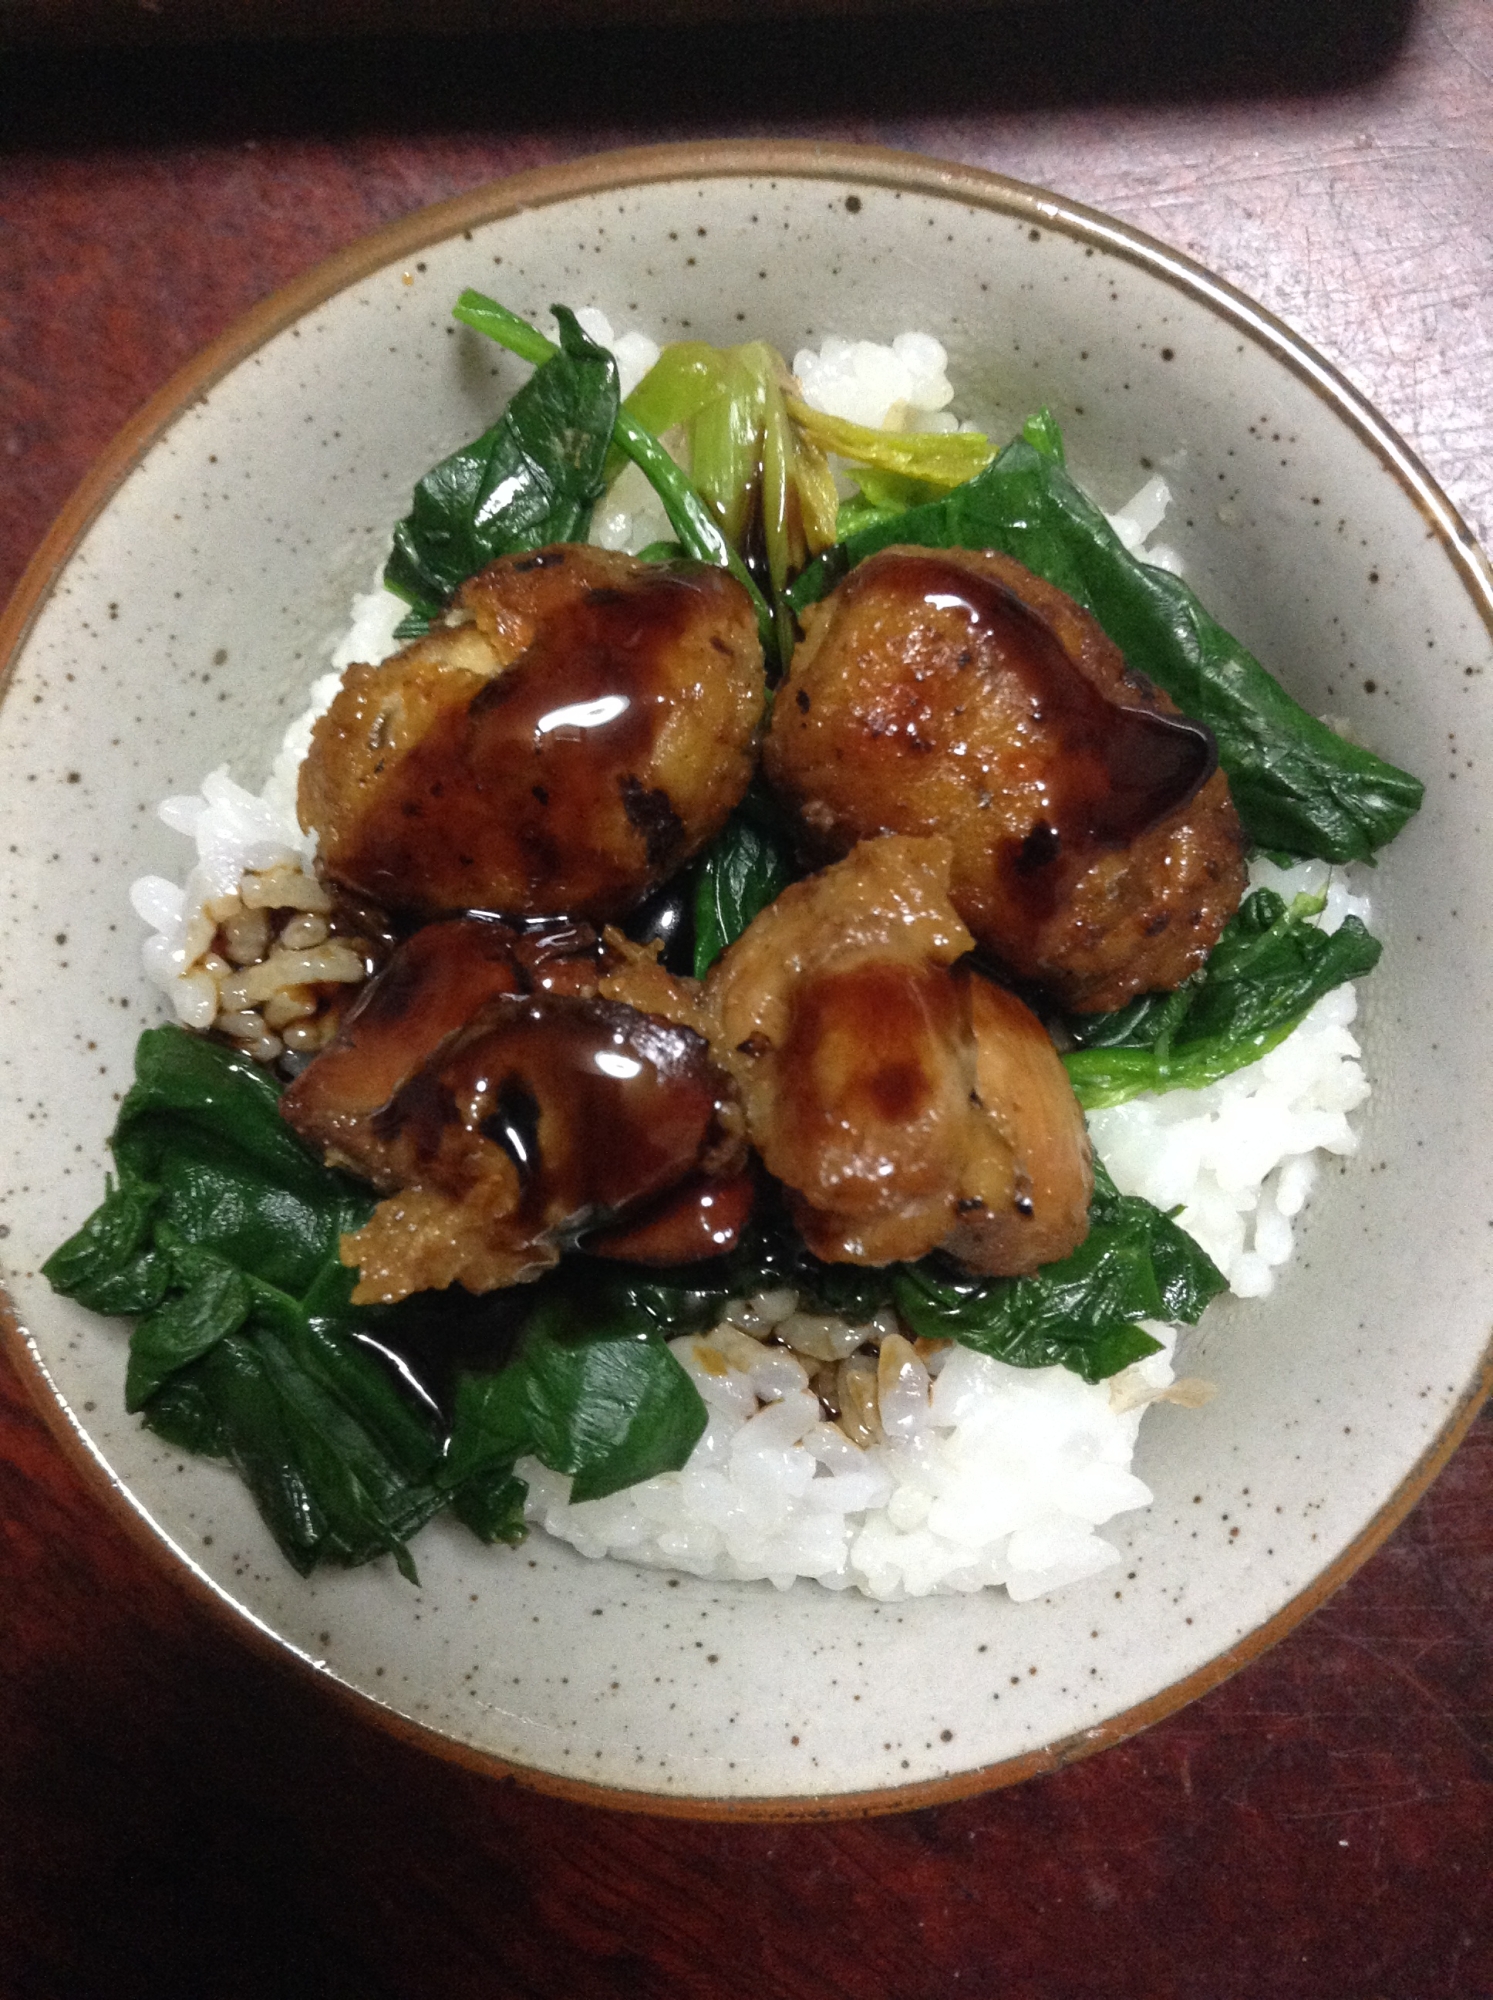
(1042, 432)
(1080, 1313)
(856, 513)
(200, 1132)
(491, 1504)
(1298, 787)
(182, 1413)
(532, 478)
(339, 1464)
(222, 1233)
(111, 1264)
(645, 1302)
(215, 1300)
(1264, 975)
(709, 904)
(744, 869)
(700, 534)
(586, 1394)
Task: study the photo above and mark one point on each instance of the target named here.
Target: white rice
(634, 353)
(1240, 1157)
(983, 1474)
(998, 1476)
(898, 388)
(1138, 520)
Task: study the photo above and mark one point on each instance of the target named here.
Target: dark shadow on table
(722, 75)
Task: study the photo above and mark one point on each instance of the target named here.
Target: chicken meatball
(905, 1102)
(1096, 850)
(504, 1106)
(584, 732)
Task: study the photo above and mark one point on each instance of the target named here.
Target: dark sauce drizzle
(540, 753)
(1112, 772)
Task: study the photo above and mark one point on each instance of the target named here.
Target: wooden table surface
(179, 1817)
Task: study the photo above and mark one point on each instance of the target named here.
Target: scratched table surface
(179, 1816)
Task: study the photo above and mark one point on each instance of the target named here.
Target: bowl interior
(207, 593)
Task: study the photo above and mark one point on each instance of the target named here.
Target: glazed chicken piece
(504, 1106)
(584, 732)
(905, 1102)
(1096, 849)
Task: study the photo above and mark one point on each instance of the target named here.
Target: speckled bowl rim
(540, 188)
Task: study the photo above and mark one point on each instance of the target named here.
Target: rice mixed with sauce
(847, 1453)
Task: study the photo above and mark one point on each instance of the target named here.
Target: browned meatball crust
(565, 750)
(1096, 849)
(904, 1102)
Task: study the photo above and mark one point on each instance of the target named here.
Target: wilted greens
(221, 1232)
(699, 533)
(745, 868)
(1263, 977)
(532, 478)
(1080, 1313)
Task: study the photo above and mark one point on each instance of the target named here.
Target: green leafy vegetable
(700, 535)
(491, 1504)
(111, 1265)
(763, 476)
(722, 410)
(1298, 787)
(687, 375)
(856, 514)
(642, 1302)
(1043, 434)
(1266, 972)
(485, 315)
(744, 869)
(592, 1399)
(200, 1137)
(532, 478)
(183, 1414)
(341, 1467)
(222, 1232)
(215, 1300)
(1080, 1313)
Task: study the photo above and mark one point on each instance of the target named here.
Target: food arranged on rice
(786, 959)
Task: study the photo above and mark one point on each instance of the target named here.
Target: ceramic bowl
(195, 585)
